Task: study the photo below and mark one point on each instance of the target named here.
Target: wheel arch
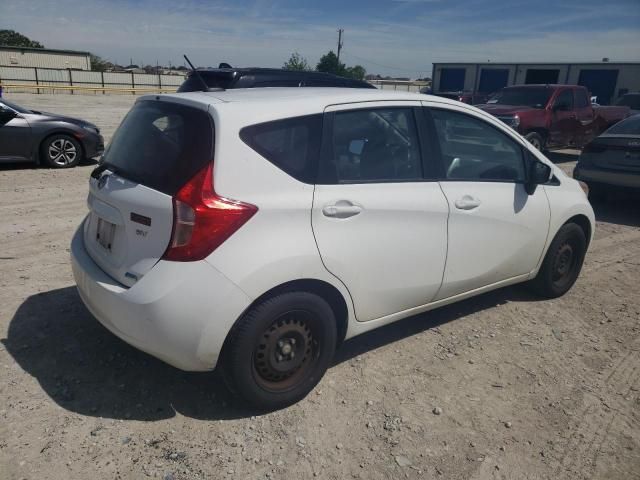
(583, 222)
(323, 289)
(58, 131)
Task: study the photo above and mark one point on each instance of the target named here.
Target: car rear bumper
(605, 177)
(178, 312)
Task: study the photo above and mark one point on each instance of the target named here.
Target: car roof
(319, 97)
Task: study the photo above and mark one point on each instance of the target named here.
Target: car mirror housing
(539, 173)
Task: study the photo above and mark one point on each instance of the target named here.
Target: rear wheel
(536, 140)
(280, 349)
(61, 151)
(562, 263)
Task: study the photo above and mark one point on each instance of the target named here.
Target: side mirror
(539, 173)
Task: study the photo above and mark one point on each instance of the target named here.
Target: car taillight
(202, 220)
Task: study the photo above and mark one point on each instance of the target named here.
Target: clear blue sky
(390, 37)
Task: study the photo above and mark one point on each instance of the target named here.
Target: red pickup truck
(553, 116)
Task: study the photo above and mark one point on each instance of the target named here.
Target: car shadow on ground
(87, 162)
(87, 370)
(563, 156)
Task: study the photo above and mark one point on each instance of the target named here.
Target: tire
(562, 263)
(536, 140)
(61, 151)
(280, 349)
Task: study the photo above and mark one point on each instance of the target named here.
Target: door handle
(467, 202)
(573, 116)
(341, 209)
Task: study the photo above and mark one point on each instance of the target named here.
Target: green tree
(11, 38)
(296, 62)
(98, 64)
(358, 72)
(329, 63)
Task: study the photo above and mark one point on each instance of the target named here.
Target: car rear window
(161, 145)
(630, 126)
(292, 144)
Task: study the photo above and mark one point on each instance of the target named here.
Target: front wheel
(562, 263)
(280, 349)
(536, 140)
(61, 151)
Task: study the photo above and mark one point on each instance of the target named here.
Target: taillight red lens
(202, 220)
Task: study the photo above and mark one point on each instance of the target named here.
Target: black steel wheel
(280, 349)
(562, 263)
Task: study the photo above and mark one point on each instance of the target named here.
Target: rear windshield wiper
(101, 168)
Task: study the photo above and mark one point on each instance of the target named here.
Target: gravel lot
(501, 386)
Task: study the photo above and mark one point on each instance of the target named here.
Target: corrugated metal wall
(44, 59)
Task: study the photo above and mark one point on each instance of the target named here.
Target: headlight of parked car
(512, 121)
(91, 129)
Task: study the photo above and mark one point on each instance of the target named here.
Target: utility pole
(340, 32)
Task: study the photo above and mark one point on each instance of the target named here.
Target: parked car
(553, 116)
(256, 230)
(631, 100)
(612, 160)
(46, 138)
(229, 78)
(469, 98)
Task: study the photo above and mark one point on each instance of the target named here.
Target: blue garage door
(452, 79)
(601, 83)
(492, 79)
(542, 75)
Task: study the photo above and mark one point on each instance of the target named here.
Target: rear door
(584, 112)
(159, 146)
(496, 230)
(380, 226)
(15, 136)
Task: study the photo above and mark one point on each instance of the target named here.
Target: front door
(380, 226)
(496, 230)
(15, 133)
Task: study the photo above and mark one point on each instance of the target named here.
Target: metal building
(607, 81)
(44, 58)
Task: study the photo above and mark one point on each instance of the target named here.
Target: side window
(293, 144)
(581, 99)
(474, 150)
(564, 100)
(374, 145)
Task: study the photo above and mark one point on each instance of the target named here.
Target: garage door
(601, 83)
(452, 79)
(492, 79)
(542, 75)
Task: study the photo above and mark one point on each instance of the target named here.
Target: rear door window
(374, 145)
(291, 144)
(161, 145)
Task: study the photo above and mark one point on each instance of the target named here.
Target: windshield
(631, 101)
(15, 107)
(536, 97)
(630, 126)
(161, 145)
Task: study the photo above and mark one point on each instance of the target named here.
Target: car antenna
(197, 74)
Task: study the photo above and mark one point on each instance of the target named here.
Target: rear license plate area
(105, 232)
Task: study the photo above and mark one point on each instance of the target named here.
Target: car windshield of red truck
(527, 96)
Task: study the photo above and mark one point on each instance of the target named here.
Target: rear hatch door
(159, 146)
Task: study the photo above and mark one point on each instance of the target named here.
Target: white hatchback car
(257, 229)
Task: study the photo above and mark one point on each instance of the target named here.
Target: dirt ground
(523, 388)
